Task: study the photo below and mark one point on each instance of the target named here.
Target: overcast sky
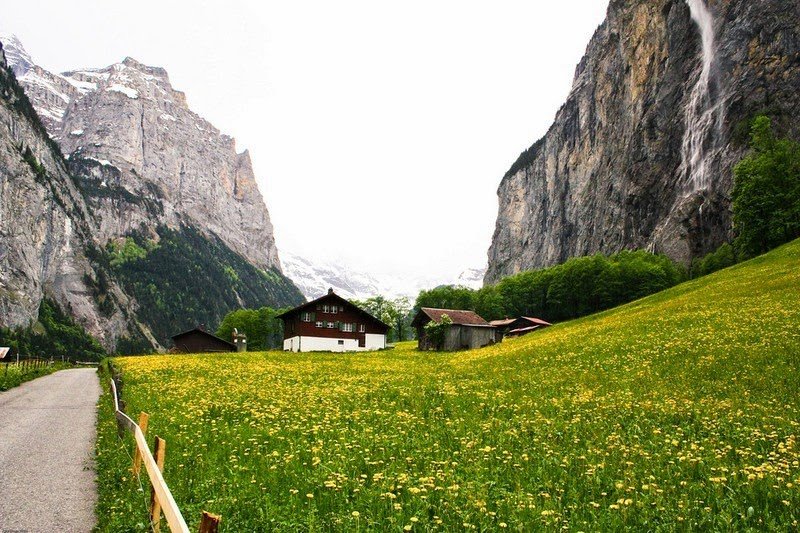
(379, 131)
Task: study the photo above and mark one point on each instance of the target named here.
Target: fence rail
(161, 500)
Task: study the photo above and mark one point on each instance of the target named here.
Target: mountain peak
(17, 57)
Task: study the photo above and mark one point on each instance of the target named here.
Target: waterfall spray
(704, 109)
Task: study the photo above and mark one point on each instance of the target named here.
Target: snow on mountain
(314, 277)
(472, 278)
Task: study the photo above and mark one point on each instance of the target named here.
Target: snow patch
(167, 116)
(127, 91)
(77, 133)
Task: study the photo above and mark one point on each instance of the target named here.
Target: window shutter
(313, 316)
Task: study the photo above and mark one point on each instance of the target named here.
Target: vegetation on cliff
(54, 335)
(185, 278)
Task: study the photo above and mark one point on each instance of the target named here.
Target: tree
(264, 331)
(766, 192)
(394, 313)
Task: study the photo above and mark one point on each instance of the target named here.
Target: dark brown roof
(459, 317)
(202, 333)
(331, 296)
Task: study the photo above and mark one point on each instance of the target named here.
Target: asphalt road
(47, 435)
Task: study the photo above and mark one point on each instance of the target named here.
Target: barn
(467, 331)
(198, 340)
(332, 324)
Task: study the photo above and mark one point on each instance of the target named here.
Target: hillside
(641, 153)
(676, 411)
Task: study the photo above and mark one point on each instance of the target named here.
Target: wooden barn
(198, 340)
(467, 331)
(332, 324)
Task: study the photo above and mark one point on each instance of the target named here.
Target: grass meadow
(680, 411)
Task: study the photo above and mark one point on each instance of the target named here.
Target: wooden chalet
(468, 330)
(331, 324)
(198, 340)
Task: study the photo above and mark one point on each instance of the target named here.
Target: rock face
(641, 154)
(85, 230)
(124, 128)
(45, 226)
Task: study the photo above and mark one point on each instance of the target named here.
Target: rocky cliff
(45, 229)
(151, 223)
(641, 153)
(125, 127)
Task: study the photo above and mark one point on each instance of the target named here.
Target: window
(334, 309)
(307, 317)
(320, 324)
(341, 309)
(348, 328)
(331, 325)
(362, 328)
(341, 342)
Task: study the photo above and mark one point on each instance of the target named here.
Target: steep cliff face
(152, 225)
(45, 229)
(125, 128)
(641, 154)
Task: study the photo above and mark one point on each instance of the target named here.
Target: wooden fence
(161, 499)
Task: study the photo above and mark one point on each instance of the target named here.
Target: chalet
(331, 324)
(524, 325)
(467, 331)
(198, 340)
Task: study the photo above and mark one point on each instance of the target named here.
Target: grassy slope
(677, 411)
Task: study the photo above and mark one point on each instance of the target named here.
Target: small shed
(198, 340)
(467, 331)
(526, 324)
(502, 326)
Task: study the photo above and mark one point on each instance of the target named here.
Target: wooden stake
(209, 523)
(159, 450)
(137, 457)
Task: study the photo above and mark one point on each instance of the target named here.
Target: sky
(379, 131)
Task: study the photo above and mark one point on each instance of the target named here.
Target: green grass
(13, 375)
(676, 412)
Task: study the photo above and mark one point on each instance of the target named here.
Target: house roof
(520, 331)
(458, 316)
(331, 296)
(201, 331)
(503, 323)
(537, 321)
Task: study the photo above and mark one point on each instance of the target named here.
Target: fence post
(209, 523)
(159, 450)
(137, 456)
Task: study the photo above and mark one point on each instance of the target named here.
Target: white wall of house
(323, 344)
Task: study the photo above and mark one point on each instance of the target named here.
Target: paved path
(47, 435)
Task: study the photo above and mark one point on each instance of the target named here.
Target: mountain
(315, 276)
(160, 224)
(641, 153)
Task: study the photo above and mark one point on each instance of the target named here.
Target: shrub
(766, 192)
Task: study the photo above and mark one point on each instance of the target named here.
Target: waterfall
(704, 108)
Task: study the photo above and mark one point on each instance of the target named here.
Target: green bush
(766, 192)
